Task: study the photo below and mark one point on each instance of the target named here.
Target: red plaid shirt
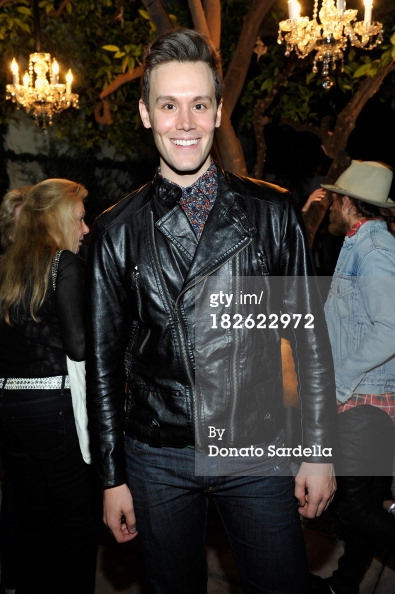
(384, 401)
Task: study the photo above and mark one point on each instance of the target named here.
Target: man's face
(337, 222)
(183, 116)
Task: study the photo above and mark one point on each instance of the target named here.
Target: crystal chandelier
(328, 37)
(41, 94)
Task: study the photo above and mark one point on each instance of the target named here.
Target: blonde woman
(41, 322)
(9, 212)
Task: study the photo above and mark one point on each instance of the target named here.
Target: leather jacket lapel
(227, 231)
(176, 228)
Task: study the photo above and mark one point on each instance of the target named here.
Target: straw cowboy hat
(368, 181)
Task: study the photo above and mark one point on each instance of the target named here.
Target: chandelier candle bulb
(15, 72)
(69, 80)
(55, 72)
(368, 11)
(293, 9)
(340, 5)
(26, 80)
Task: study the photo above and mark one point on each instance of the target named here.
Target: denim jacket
(360, 313)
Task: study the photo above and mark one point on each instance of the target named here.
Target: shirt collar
(355, 227)
(363, 230)
(207, 183)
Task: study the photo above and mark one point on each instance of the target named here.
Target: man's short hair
(180, 45)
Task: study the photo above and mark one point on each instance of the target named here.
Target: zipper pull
(262, 264)
(135, 276)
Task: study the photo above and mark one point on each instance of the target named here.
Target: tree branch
(212, 9)
(2, 2)
(260, 120)
(120, 80)
(198, 17)
(159, 15)
(59, 10)
(238, 67)
(102, 113)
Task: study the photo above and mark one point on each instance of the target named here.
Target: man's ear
(219, 114)
(347, 203)
(144, 114)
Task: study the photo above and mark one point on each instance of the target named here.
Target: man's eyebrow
(162, 98)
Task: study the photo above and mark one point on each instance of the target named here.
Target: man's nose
(185, 119)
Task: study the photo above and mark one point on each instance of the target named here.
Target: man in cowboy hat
(361, 321)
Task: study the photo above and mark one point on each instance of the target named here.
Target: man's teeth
(185, 142)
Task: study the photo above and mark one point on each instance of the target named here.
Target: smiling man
(150, 256)
(182, 119)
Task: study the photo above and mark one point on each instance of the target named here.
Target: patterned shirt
(198, 199)
(384, 401)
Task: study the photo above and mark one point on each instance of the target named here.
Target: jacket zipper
(193, 284)
(173, 309)
(135, 287)
(235, 355)
(176, 316)
(262, 264)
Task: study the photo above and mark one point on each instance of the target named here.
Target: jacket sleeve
(309, 337)
(107, 330)
(69, 298)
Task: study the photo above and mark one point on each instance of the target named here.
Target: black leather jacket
(145, 269)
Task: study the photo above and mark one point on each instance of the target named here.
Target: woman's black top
(39, 349)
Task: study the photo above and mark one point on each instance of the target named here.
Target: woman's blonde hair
(8, 206)
(46, 224)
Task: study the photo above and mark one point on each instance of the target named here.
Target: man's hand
(118, 513)
(315, 486)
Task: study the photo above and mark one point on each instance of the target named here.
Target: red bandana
(357, 225)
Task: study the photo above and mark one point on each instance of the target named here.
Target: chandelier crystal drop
(329, 35)
(40, 93)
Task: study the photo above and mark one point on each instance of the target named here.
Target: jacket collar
(363, 231)
(227, 229)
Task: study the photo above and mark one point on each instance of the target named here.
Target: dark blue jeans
(52, 486)
(259, 515)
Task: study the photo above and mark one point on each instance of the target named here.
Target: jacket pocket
(344, 291)
(157, 416)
